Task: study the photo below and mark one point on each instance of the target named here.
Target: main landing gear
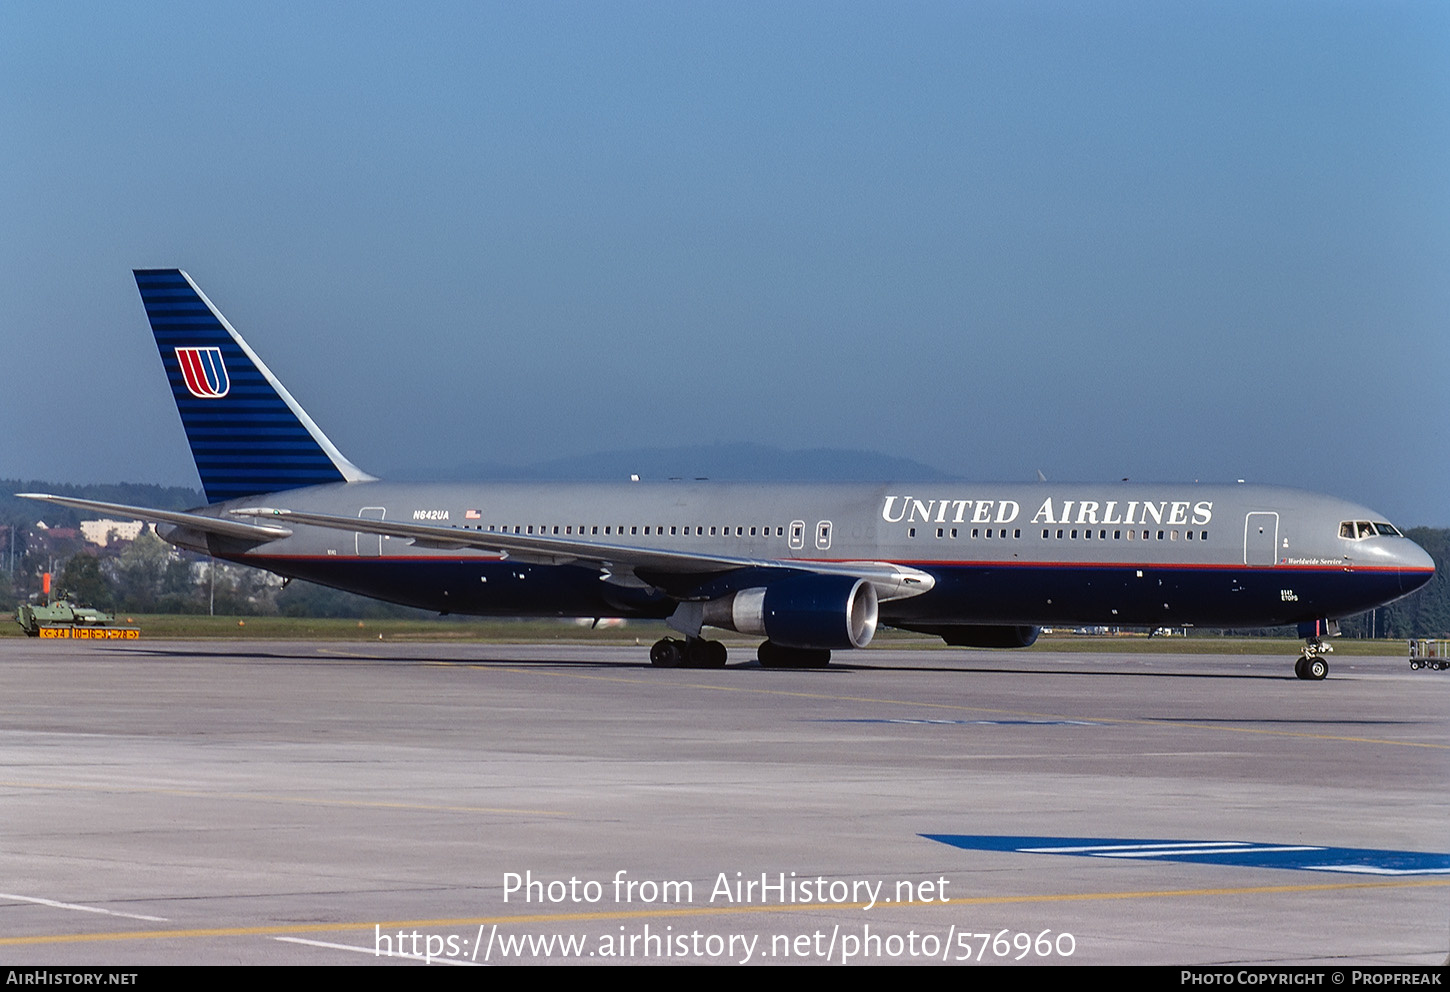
(773, 655)
(692, 652)
(696, 652)
(1311, 665)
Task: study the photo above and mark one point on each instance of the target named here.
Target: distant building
(51, 539)
(100, 531)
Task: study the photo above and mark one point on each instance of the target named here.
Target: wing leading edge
(889, 580)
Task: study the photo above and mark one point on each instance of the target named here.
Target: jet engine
(807, 611)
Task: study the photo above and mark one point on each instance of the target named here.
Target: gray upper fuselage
(900, 522)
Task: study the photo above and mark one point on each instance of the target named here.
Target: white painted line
(1237, 845)
(82, 909)
(373, 952)
(1181, 851)
(1372, 870)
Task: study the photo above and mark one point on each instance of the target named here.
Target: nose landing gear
(1311, 665)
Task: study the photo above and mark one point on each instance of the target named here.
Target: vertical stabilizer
(247, 434)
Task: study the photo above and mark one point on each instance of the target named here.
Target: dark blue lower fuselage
(997, 593)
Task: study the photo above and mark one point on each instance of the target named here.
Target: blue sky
(1159, 241)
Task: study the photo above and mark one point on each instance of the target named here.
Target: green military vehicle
(64, 619)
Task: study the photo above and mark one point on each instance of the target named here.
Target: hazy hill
(743, 462)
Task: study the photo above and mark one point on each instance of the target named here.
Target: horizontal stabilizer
(192, 521)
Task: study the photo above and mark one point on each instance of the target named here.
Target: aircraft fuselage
(1034, 554)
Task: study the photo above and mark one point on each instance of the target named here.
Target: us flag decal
(205, 375)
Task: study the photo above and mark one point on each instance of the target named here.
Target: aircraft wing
(192, 521)
(890, 581)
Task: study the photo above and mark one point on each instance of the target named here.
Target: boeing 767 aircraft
(809, 568)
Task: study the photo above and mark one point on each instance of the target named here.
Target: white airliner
(809, 568)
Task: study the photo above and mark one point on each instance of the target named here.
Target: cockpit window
(1358, 530)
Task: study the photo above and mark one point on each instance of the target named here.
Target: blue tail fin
(247, 434)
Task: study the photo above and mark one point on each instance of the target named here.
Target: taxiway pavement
(208, 802)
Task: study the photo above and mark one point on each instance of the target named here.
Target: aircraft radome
(809, 568)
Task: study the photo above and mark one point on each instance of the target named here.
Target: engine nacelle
(808, 611)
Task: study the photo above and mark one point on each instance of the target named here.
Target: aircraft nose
(1416, 567)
